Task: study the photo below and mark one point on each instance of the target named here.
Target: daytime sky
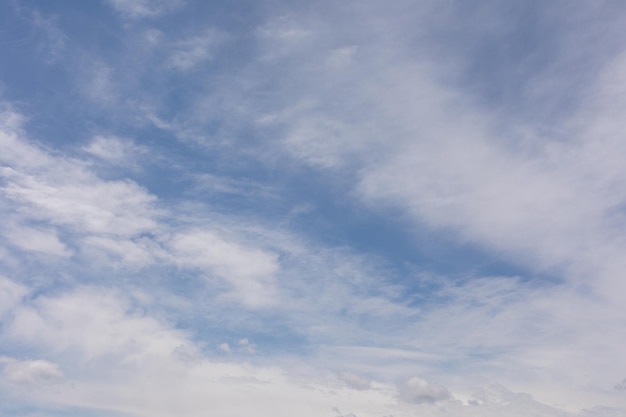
(409, 208)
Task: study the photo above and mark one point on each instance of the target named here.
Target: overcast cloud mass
(327, 208)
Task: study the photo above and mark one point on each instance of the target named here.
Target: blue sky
(343, 209)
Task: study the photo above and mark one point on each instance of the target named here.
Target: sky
(314, 209)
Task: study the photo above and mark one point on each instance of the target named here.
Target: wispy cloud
(135, 9)
(249, 271)
(265, 211)
(37, 240)
(116, 151)
(188, 53)
(29, 372)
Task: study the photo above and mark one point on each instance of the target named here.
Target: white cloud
(90, 323)
(135, 9)
(115, 150)
(82, 202)
(117, 358)
(208, 249)
(355, 381)
(394, 133)
(285, 34)
(246, 346)
(37, 240)
(11, 294)
(418, 391)
(319, 141)
(190, 53)
(404, 134)
(136, 252)
(248, 270)
(53, 202)
(546, 198)
(16, 153)
(29, 372)
(64, 192)
(241, 187)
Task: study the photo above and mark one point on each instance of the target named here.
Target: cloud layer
(341, 209)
